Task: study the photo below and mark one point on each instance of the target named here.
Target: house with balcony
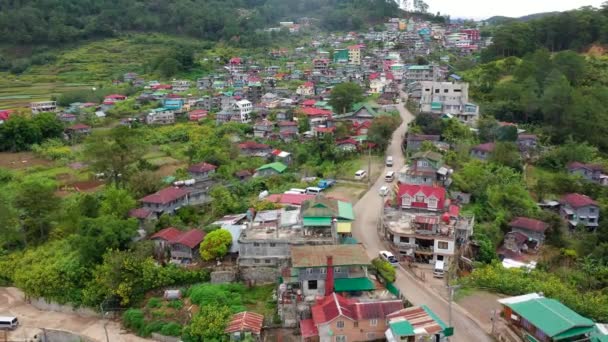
(450, 98)
(336, 318)
(534, 317)
(579, 209)
(160, 116)
(43, 107)
(417, 73)
(180, 86)
(322, 213)
(426, 168)
(201, 172)
(165, 201)
(320, 269)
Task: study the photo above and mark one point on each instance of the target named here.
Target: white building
(160, 116)
(243, 108)
(448, 98)
(43, 107)
(179, 86)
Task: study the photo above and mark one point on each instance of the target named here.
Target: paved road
(365, 230)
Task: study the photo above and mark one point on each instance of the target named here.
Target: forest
(572, 30)
(67, 21)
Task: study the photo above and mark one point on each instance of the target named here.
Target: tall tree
(36, 199)
(344, 95)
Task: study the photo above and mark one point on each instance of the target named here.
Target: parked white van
(313, 190)
(296, 191)
(361, 174)
(8, 322)
(389, 161)
(438, 270)
(390, 176)
(389, 257)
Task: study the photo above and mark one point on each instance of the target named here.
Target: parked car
(389, 257)
(438, 270)
(326, 183)
(360, 175)
(390, 176)
(383, 190)
(389, 161)
(312, 190)
(8, 322)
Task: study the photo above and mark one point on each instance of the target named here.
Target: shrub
(385, 270)
(133, 319)
(176, 304)
(154, 302)
(151, 327)
(171, 329)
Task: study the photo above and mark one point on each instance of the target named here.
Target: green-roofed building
(362, 112)
(545, 319)
(270, 169)
(416, 323)
(320, 212)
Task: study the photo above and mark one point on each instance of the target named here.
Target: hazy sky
(482, 9)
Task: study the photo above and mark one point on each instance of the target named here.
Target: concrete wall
(221, 277)
(259, 275)
(42, 304)
(50, 335)
(266, 248)
(163, 338)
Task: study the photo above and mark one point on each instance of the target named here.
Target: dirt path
(33, 319)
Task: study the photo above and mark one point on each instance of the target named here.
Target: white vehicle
(296, 191)
(389, 257)
(360, 175)
(438, 270)
(389, 177)
(313, 190)
(389, 161)
(383, 190)
(8, 322)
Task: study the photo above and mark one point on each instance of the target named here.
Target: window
(436, 91)
(432, 203)
(446, 90)
(256, 261)
(312, 285)
(340, 324)
(404, 239)
(273, 245)
(420, 198)
(340, 338)
(373, 322)
(371, 335)
(442, 245)
(323, 270)
(267, 261)
(309, 270)
(591, 210)
(256, 244)
(457, 90)
(356, 324)
(337, 269)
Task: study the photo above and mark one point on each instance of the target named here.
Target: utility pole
(369, 164)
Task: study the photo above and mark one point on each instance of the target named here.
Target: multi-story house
(448, 98)
(179, 86)
(414, 141)
(533, 229)
(579, 209)
(319, 269)
(262, 128)
(306, 89)
(354, 54)
(426, 168)
(43, 107)
(336, 318)
(160, 116)
(590, 172)
(320, 64)
(243, 109)
(167, 200)
(422, 197)
(417, 73)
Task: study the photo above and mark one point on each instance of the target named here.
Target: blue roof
(456, 77)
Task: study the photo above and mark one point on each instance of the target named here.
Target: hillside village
(258, 194)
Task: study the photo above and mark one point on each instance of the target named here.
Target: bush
(176, 304)
(151, 327)
(154, 302)
(385, 270)
(171, 329)
(133, 319)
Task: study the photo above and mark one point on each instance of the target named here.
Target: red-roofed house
(533, 229)
(244, 323)
(579, 209)
(197, 114)
(183, 246)
(201, 171)
(4, 115)
(417, 323)
(483, 151)
(349, 145)
(431, 198)
(335, 318)
(309, 103)
(116, 97)
(78, 129)
(591, 172)
(142, 215)
(166, 200)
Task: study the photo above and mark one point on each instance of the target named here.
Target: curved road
(368, 210)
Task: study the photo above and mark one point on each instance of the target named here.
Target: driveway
(368, 210)
(32, 320)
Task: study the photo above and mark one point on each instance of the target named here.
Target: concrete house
(262, 128)
(579, 209)
(417, 73)
(591, 172)
(319, 269)
(243, 109)
(43, 107)
(537, 318)
(483, 151)
(527, 142)
(254, 149)
(533, 229)
(201, 171)
(271, 169)
(421, 197)
(306, 89)
(160, 116)
(448, 98)
(426, 168)
(336, 318)
(166, 200)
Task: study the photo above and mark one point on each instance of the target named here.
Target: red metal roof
(287, 123)
(487, 147)
(377, 310)
(168, 234)
(592, 167)
(454, 210)
(5, 114)
(577, 200)
(309, 103)
(331, 307)
(235, 60)
(308, 328)
(165, 195)
(245, 321)
(253, 145)
(139, 213)
(529, 224)
(312, 111)
(325, 129)
(418, 318)
(202, 167)
(426, 219)
(412, 190)
(293, 199)
(79, 127)
(309, 84)
(191, 238)
(116, 97)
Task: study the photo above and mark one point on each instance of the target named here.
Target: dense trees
(21, 132)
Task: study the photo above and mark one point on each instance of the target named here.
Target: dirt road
(368, 210)
(32, 320)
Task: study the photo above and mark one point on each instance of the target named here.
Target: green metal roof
(349, 240)
(345, 211)
(436, 105)
(552, 317)
(277, 166)
(434, 316)
(402, 328)
(418, 67)
(317, 221)
(353, 284)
